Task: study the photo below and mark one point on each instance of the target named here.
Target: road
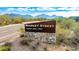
(9, 32)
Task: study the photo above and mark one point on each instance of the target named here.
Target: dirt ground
(33, 46)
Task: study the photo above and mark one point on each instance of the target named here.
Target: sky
(34, 11)
(64, 8)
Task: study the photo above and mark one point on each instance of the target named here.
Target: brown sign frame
(42, 26)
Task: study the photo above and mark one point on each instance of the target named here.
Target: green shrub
(5, 48)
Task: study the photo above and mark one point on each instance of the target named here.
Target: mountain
(13, 15)
(29, 16)
(47, 16)
(43, 16)
(75, 17)
(18, 15)
(55, 16)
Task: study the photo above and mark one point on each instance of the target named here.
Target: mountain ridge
(30, 16)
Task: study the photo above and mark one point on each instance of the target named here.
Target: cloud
(61, 11)
(65, 14)
(22, 9)
(16, 9)
(69, 8)
(40, 9)
(45, 8)
(10, 9)
(74, 8)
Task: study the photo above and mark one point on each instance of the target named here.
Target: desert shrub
(8, 44)
(45, 49)
(22, 35)
(6, 47)
(34, 47)
(22, 30)
(29, 40)
(66, 50)
(77, 40)
(37, 43)
(66, 32)
(24, 42)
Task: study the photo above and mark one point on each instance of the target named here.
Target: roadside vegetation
(6, 20)
(67, 32)
(6, 47)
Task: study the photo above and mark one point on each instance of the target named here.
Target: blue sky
(64, 8)
(34, 11)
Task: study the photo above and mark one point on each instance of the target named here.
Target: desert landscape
(13, 36)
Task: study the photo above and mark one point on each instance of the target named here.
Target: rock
(43, 37)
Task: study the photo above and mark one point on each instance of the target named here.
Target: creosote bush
(6, 47)
(22, 35)
(45, 49)
(7, 44)
(24, 42)
(29, 40)
(37, 43)
(34, 47)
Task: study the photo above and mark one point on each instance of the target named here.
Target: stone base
(43, 37)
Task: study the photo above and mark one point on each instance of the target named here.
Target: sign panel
(42, 26)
